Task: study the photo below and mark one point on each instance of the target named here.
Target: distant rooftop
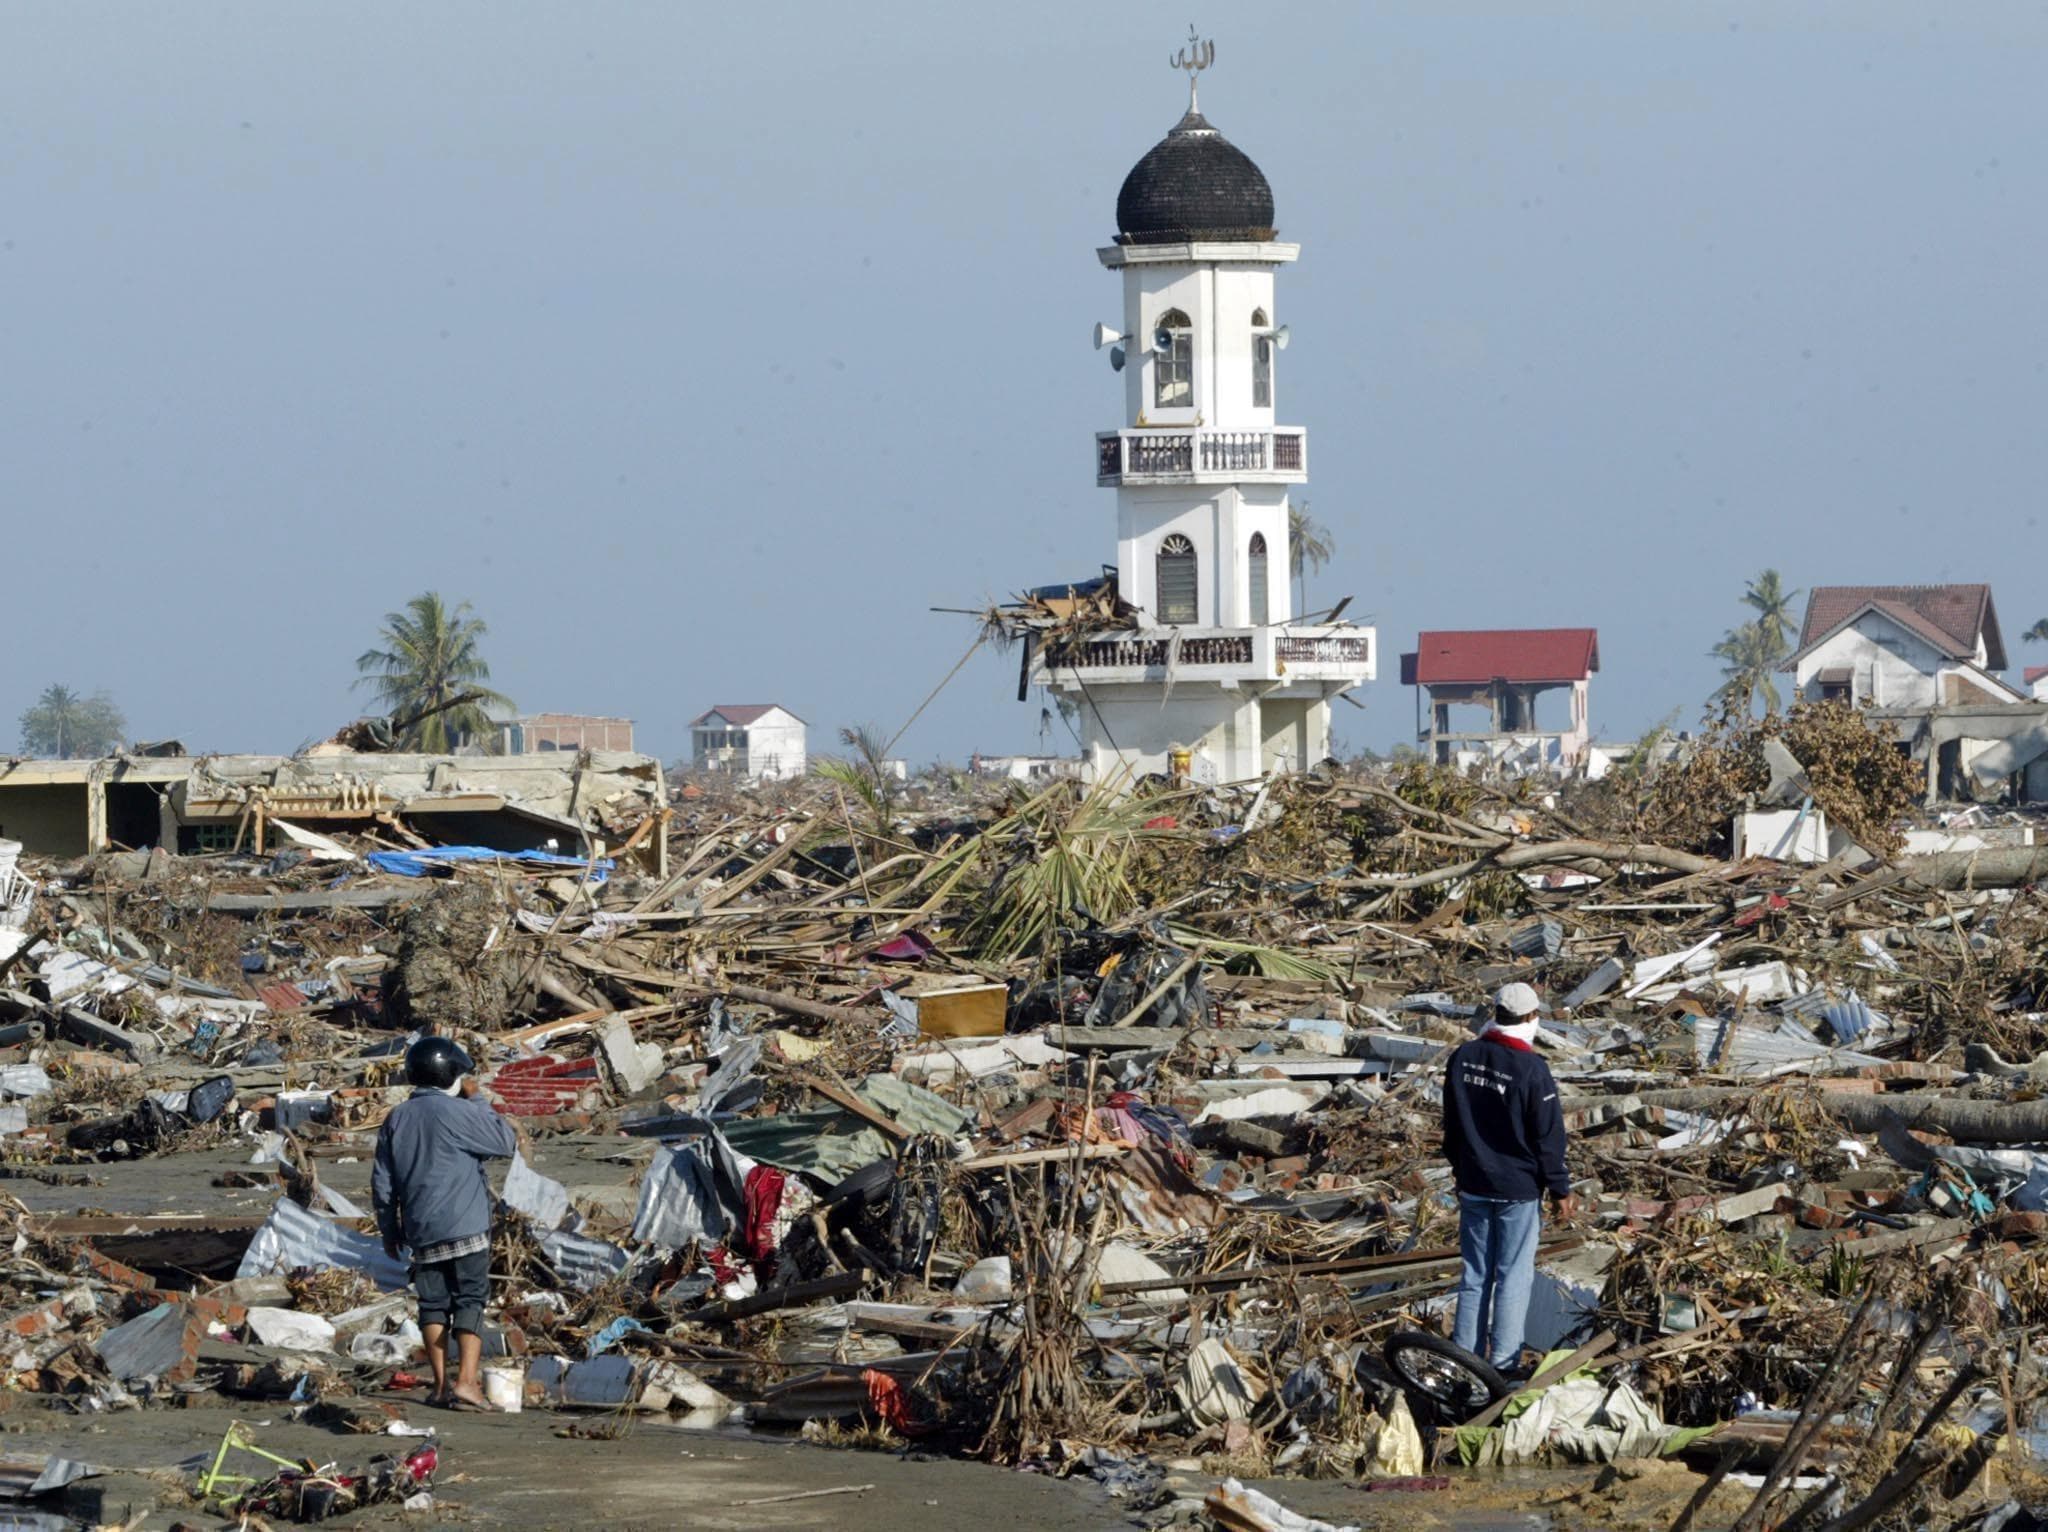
(1519, 656)
(1950, 617)
(741, 713)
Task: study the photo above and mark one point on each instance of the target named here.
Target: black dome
(1194, 184)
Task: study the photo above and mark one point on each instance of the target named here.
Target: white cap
(1518, 1000)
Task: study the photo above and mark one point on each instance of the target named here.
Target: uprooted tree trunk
(1976, 1122)
(1513, 856)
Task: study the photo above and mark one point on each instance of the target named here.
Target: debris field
(1091, 1131)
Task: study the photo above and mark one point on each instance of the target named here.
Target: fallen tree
(1967, 1121)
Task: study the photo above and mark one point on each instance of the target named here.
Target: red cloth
(1505, 1041)
(764, 1200)
(890, 1401)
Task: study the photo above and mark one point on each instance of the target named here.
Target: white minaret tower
(1219, 669)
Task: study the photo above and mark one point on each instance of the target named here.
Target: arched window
(1177, 606)
(1262, 362)
(1173, 366)
(1258, 580)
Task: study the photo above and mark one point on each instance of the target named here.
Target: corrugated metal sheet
(1751, 1049)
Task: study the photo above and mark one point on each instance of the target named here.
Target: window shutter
(1177, 582)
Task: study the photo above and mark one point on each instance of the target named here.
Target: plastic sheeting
(424, 864)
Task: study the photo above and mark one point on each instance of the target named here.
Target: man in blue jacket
(431, 1193)
(1504, 1137)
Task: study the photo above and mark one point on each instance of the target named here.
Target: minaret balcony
(1199, 455)
(1280, 652)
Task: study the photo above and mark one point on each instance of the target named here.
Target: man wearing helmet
(1504, 1137)
(432, 1195)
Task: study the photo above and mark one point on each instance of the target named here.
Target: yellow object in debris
(797, 1048)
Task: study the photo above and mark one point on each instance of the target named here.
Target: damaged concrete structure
(187, 804)
(1504, 671)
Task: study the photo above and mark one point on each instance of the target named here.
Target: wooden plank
(313, 900)
(1555, 1373)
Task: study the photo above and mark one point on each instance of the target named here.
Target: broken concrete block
(634, 1065)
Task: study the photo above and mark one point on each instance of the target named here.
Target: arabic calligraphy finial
(1194, 58)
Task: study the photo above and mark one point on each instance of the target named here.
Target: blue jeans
(1497, 1241)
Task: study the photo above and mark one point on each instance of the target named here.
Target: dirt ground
(517, 1471)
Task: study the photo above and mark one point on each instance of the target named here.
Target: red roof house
(1519, 656)
(1503, 670)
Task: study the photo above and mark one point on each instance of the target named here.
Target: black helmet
(436, 1062)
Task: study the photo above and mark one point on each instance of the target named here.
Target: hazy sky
(706, 348)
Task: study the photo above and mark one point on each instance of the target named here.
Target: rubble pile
(1091, 1130)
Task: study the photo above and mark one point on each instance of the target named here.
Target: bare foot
(468, 1396)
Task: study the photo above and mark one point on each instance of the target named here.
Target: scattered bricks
(40, 1319)
(91, 1263)
(1750, 1204)
(1810, 1215)
(544, 1086)
(220, 1311)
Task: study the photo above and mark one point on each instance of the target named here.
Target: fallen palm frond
(1251, 957)
(1062, 858)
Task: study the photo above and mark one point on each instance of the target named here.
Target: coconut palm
(865, 772)
(65, 724)
(2037, 634)
(1772, 603)
(1310, 545)
(431, 675)
(1748, 655)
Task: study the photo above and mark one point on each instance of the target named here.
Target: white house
(760, 741)
(1901, 648)
(1219, 677)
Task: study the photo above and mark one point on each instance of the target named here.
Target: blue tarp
(424, 864)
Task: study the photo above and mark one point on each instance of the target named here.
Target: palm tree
(1310, 545)
(431, 675)
(1748, 654)
(865, 772)
(1772, 603)
(65, 724)
(2037, 634)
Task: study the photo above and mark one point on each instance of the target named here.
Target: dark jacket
(1503, 1128)
(429, 1183)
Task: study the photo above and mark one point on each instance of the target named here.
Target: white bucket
(505, 1385)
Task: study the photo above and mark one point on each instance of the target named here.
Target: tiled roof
(1520, 655)
(741, 714)
(1951, 617)
(2033, 673)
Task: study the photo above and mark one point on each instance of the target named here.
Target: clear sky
(706, 348)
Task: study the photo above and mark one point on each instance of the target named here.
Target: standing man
(1504, 1136)
(431, 1194)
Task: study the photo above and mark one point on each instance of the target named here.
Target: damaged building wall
(49, 818)
(1883, 665)
(70, 808)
